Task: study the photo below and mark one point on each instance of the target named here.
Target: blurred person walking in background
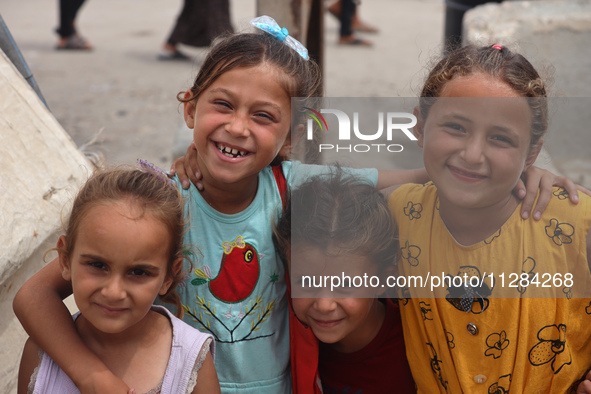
(199, 22)
(346, 12)
(69, 37)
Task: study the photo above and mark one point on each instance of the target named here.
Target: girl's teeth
(230, 152)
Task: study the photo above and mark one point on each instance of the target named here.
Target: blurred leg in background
(199, 22)
(347, 12)
(69, 37)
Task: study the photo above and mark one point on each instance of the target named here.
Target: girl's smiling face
(240, 123)
(476, 142)
(340, 317)
(117, 266)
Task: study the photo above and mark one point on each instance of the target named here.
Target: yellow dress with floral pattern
(504, 315)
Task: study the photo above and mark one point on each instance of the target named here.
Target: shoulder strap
(281, 183)
(304, 349)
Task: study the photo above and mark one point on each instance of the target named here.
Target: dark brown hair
(496, 61)
(301, 78)
(156, 197)
(338, 211)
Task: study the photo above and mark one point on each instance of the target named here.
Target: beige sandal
(75, 43)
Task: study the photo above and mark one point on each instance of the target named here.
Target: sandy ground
(122, 98)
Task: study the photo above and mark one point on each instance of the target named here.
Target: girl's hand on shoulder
(187, 168)
(585, 386)
(536, 179)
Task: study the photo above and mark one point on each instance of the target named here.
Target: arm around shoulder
(589, 248)
(44, 290)
(586, 206)
(387, 178)
(40, 300)
(207, 379)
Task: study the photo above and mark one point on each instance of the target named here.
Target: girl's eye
(503, 139)
(344, 291)
(222, 103)
(265, 116)
(97, 264)
(139, 272)
(454, 126)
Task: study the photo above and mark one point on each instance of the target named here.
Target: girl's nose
(473, 152)
(237, 126)
(325, 304)
(114, 289)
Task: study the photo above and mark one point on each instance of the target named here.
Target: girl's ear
(177, 265)
(189, 110)
(418, 130)
(534, 151)
(292, 139)
(63, 258)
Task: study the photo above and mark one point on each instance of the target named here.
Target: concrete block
(554, 35)
(40, 171)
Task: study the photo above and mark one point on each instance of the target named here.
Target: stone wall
(556, 37)
(40, 170)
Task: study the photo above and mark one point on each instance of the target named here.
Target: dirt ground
(122, 98)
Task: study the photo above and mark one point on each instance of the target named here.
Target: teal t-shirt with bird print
(236, 289)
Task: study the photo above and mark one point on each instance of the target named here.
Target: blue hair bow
(268, 25)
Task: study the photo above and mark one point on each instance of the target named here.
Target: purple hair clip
(157, 172)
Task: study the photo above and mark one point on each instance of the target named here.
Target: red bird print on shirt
(238, 275)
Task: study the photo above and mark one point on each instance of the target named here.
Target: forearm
(39, 307)
(387, 178)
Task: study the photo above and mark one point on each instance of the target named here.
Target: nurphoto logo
(395, 123)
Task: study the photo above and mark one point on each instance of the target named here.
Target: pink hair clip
(150, 168)
(497, 46)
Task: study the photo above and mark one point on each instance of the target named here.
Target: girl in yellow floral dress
(500, 302)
